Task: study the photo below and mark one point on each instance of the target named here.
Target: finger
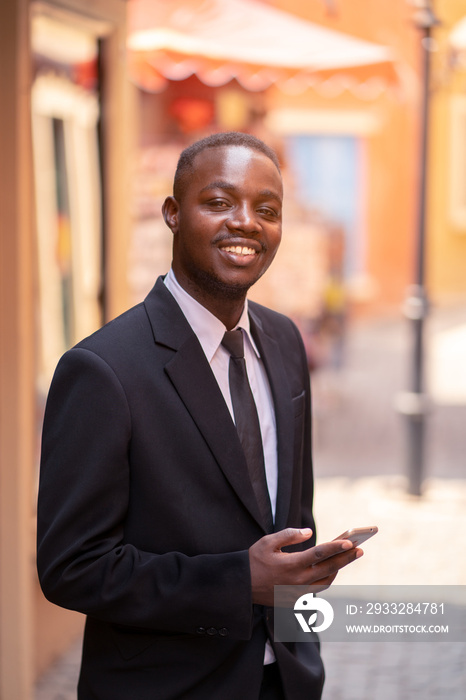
(321, 552)
(289, 536)
(328, 568)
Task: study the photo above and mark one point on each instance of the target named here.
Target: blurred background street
(365, 104)
(358, 430)
(361, 462)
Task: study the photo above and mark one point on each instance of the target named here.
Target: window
(65, 115)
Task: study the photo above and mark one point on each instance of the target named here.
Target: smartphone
(358, 535)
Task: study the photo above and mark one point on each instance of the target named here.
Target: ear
(170, 212)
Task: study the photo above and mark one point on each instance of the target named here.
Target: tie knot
(233, 342)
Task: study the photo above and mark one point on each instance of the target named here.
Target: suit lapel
(273, 361)
(194, 381)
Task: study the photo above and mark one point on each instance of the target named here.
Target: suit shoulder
(272, 321)
(125, 329)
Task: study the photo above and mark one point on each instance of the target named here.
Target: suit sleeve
(84, 562)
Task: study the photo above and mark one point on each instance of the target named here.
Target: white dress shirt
(210, 331)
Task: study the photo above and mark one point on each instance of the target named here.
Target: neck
(229, 314)
(226, 304)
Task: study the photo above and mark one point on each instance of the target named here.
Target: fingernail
(346, 544)
(306, 531)
(359, 553)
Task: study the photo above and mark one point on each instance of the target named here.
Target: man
(152, 520)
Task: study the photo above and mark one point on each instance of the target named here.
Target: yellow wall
(446, 240)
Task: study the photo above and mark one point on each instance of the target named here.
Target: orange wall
(392, 151)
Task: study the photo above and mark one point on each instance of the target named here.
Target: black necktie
(247, 422)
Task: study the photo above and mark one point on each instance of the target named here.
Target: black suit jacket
(146, 511)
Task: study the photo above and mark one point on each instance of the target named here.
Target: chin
(225, 289)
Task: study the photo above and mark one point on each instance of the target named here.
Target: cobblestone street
(360, 480)
(360, 463)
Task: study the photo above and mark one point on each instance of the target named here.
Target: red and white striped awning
(256, 44)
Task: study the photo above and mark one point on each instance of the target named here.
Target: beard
(212, 285)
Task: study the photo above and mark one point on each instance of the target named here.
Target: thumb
(290, 535)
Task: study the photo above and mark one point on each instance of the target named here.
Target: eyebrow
(223, 185)
(218, 184)
(270, 194)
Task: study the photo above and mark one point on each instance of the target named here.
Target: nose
(243, 218)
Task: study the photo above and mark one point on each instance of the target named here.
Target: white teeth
(239, 250)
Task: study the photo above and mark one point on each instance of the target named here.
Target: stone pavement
(418, 544)
(360, 455)
(60, 680)
(359, 464)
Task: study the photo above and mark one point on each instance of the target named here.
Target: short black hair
(185, 164)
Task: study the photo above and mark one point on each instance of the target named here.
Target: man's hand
(315, 566)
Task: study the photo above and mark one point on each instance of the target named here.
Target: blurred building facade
(350, 143)
(348, 139)
(64, 130)
(392, 145)
(373, 133)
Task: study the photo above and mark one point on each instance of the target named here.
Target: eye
(218, 204)
(269, 212)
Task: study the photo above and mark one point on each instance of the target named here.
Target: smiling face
(227, 226)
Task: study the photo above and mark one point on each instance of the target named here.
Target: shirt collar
(208, 328)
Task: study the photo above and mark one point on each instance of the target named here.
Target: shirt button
(201, 630)
(211, 631)
(223, 632)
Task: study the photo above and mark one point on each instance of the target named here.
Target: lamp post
(413, 403)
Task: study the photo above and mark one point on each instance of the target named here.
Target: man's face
(227, 227)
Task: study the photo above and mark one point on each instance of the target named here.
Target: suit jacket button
(211, 631)
(200, 630)
(223, 632)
